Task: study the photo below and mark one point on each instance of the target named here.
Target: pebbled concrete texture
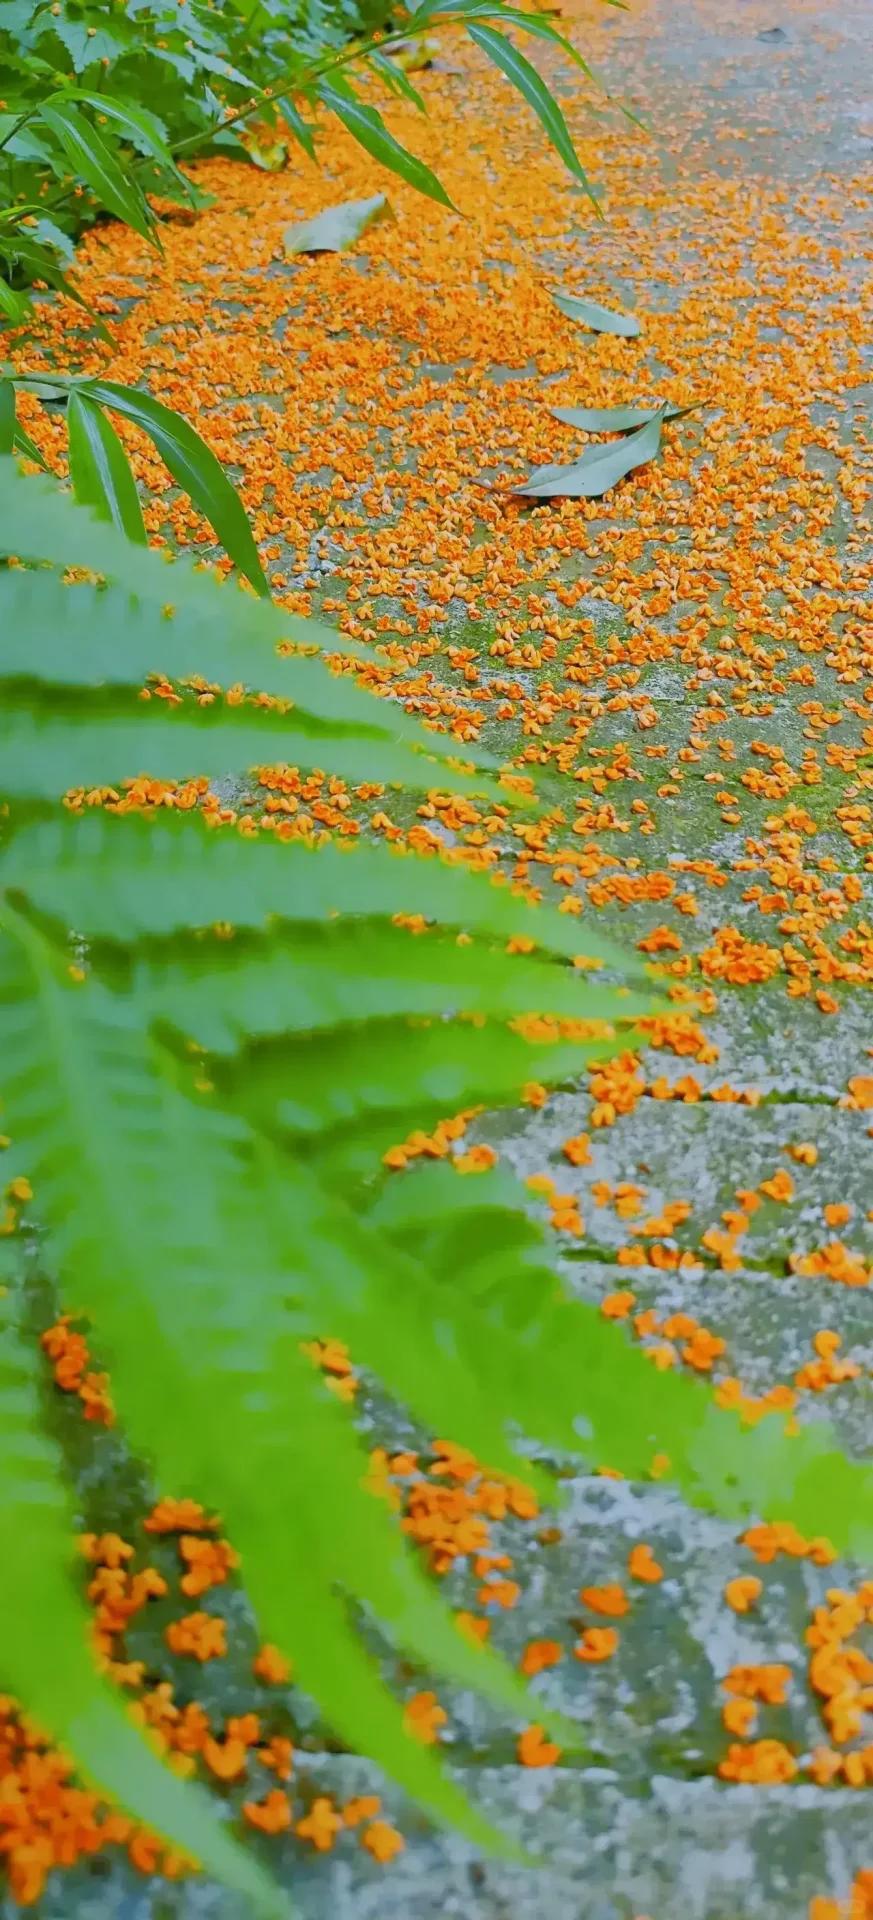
(761, 105)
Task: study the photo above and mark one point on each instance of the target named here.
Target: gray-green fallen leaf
(337, 228)
(614, 419)
(598, 468)
(599, 319)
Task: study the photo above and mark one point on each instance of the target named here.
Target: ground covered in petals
(686, 667)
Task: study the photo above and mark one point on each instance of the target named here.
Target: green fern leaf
(125, 879)
(45, 1628)
(53, 741)
(69, 636)
(160, 1266)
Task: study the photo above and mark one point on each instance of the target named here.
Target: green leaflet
(52, 741)
(95, 163)
(340, 1082)
(620, 1411)
(126, 878)
(369, 129)
(16, 306)
(323, 977)
(100, 474)
(598, 319)
(194, 466)
(76, 630)
(533, 89)
(45, 1627)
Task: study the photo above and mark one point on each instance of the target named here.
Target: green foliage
(100, 472)
(102, 102)
(202, 1117)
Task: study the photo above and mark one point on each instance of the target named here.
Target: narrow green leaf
(598, 319)
(533, 89)
(41, 264)
(337, 228)
(195, 468)
(535, 24)
(597, 469)
(99, 468)
(294, 121)
(95, 163)
(143, 129)
(24, 444)
(369, 129)
(615, 419)
(392, 70)
(8, 421)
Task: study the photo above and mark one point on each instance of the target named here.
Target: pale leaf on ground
(337, 228)
(597, 469)
(598, 319)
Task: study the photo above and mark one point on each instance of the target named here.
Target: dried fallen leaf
(336, 228)
(614, 419)
(598, 468)
(599, 319)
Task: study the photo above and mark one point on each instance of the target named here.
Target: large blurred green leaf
(99, 468)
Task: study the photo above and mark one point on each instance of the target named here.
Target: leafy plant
(202, 1117)
(102, 103)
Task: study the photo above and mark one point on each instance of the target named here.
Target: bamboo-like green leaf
(95, 163)
(296, 124)
(141, 127)
(8, 422)
(40, 263)
(395, 76)
(598, 319)
(100, 470)
(366, 126)
(195, 468)
(533, 89)
(24, 444)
